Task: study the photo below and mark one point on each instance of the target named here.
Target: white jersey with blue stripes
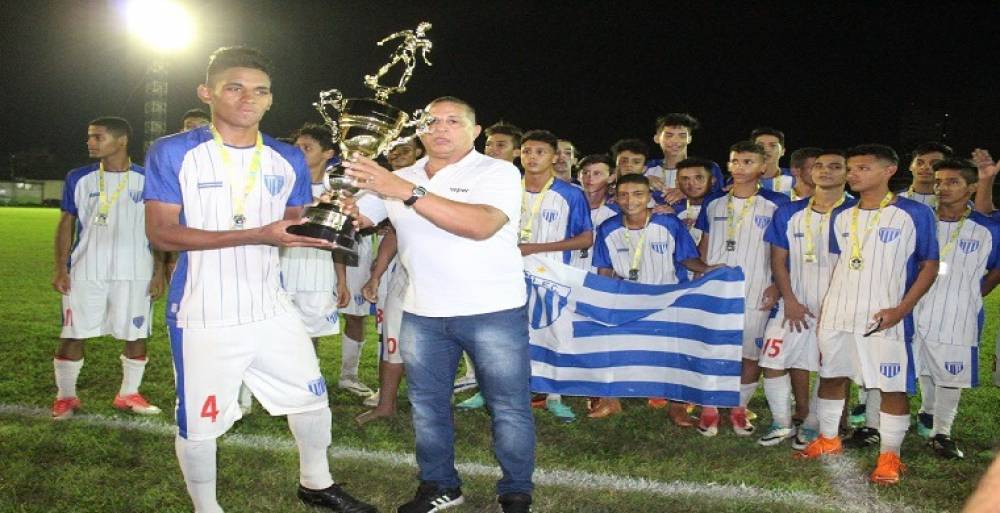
(582, 258)
(563, 214)
(782, 183)
(930, 199)
(308, 269)
(665, 245)
(688, 214)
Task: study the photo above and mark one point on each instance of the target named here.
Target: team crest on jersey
(889, 370)
(138, 321)
(317, 386)
(761, 221)
(968, 245)
(659, 247)
(135, 195)
(955, 368)
(550, 215)
(546, 301)
(274, 183)
(887, 235)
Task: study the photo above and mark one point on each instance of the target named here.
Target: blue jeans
(497, 342)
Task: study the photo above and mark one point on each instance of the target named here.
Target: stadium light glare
(162, 24)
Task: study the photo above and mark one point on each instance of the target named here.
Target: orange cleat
(135, 403)
(819, 447)
(678, 413)
(605, 407)
(538, 400)
(63, 409)
(888, 469)
(657, 403)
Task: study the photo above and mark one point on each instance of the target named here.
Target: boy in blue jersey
(224, 196)
(775, 177)
(733, 225)
(674, 133)
(923, 158)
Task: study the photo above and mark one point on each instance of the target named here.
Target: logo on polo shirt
(458, 189)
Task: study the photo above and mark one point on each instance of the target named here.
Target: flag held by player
(597, 336)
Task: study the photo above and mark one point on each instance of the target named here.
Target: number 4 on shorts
(209, 409)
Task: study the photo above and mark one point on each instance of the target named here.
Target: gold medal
(730, 245)
(809, 258)
(239, 220)
(857, 263)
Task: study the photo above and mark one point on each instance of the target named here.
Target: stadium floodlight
(164, 25)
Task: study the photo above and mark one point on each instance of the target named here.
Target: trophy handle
(335, 99)
(420, 122)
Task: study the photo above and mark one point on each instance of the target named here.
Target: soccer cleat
(515, 503)
(464, 383)
(680, 416)
(925, 424)
(862, 438)
(888, 469)
(741, 423)
(355, 387)
(708, 424)
(63, 409)
(656, 403)
(429, 498)
(473, 403)
(945, 447)
(605, 407)
(334, 498)
(857, 416)
(538, 400)
(751, 416)
(820, 446)
(372, 400)
(775, 435)
(561, 411)
(135, 403)
(803, 437)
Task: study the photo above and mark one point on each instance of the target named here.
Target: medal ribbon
(239, 201)
(856, 245)
(809, 243)
(637, 251)
(950, 245)
(526, 226)
(103, 203)
(732, 224)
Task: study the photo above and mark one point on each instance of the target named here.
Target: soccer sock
(470, 370)
(927, 390)
(197, 462)
(311, 430)
(777, 391)
(746, 392)
(66, 373)
(872, 407)
(893, 430)
(862, 395)
(945, 409)
(812, 420)
(829, 411)
(350, 357)
(132, 369)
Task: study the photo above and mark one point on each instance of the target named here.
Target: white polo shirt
(451, 275)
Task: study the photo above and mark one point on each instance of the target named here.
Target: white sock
(311, 430)
(812, 420)
(66, 373)
(553, 398)
(470, 370)
(746, 392)
(132, 369)
(927, 390)
(350, 357)
(777, 391)
(873, 407)
(945, 409)
(893, 431)
(862, 395)
(197, 462)
(829, 411)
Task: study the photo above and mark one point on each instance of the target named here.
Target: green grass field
(98, 464)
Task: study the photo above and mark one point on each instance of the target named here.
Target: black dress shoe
(334, 498)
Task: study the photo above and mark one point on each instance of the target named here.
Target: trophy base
(346, 250)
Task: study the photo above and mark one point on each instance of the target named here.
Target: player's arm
(582, 240)
(925, 278)
(386, 250)
(157, 284)
(703, 247)
(343, 293)
(63, 243)
(990, 281)
(166, 233)
(795, 312)
(987, 175)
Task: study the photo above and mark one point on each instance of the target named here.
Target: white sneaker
(372, 400)
(775, 435)
(355, 387)
(465, 383)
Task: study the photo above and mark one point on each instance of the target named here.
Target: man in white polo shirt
(456, 212)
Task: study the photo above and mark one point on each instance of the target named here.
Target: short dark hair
(879, 151)
(236, 57)
(571, 145)
(965, 167)
(932, 146)
(114, 124)
(469, 109)
(596, 158)
(833, 151)
(631, 145)
(766, 130)
(747, 147)
(543, 136)
(632, 178)
(320, 133)
(801, 155)
(504, 128)
(677, 119)
(195, 113)
(696, 162)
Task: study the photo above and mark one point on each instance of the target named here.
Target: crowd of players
(886, 286)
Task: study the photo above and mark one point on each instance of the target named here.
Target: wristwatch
(418, 192)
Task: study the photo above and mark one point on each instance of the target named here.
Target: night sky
(592, 72)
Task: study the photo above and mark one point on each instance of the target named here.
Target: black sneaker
(862, 438)
(925, 424)
(430, 498)
(945, 447)
(334, 498)
(515, 503)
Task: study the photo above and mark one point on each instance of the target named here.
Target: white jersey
(117, 250)
(951, 312)
(563, 214)
(582, 259)
(751, 253)
(308, 269)
(688, 214)
(236, 285)
(902, 238)
(931, 200)
(782, 183)
(665, 244)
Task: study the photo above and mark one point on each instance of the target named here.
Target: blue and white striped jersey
(783, 182)
(666, 244)
(308, 269)
(582, 258)
(563, 214)
(688, 214)
(930, 200)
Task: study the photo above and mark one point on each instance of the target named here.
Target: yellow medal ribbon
(527, 220)
(857, 261)
(733, 223)
(633, 271)
(810, 246)
(239, 200)
(103, 202)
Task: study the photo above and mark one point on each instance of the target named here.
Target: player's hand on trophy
(370, 290)
(276, 234)
(61, 282)
(370, 176)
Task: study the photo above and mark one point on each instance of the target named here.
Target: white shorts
(275, 358)
(872, 362)
(949, 365)
(785, 348)
(754, 322)
(318, 311)
(120, 308)
(392, 318)
(356, 279)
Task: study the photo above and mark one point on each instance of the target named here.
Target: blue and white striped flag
(598, 336)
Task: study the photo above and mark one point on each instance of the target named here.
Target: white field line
(854, 496)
